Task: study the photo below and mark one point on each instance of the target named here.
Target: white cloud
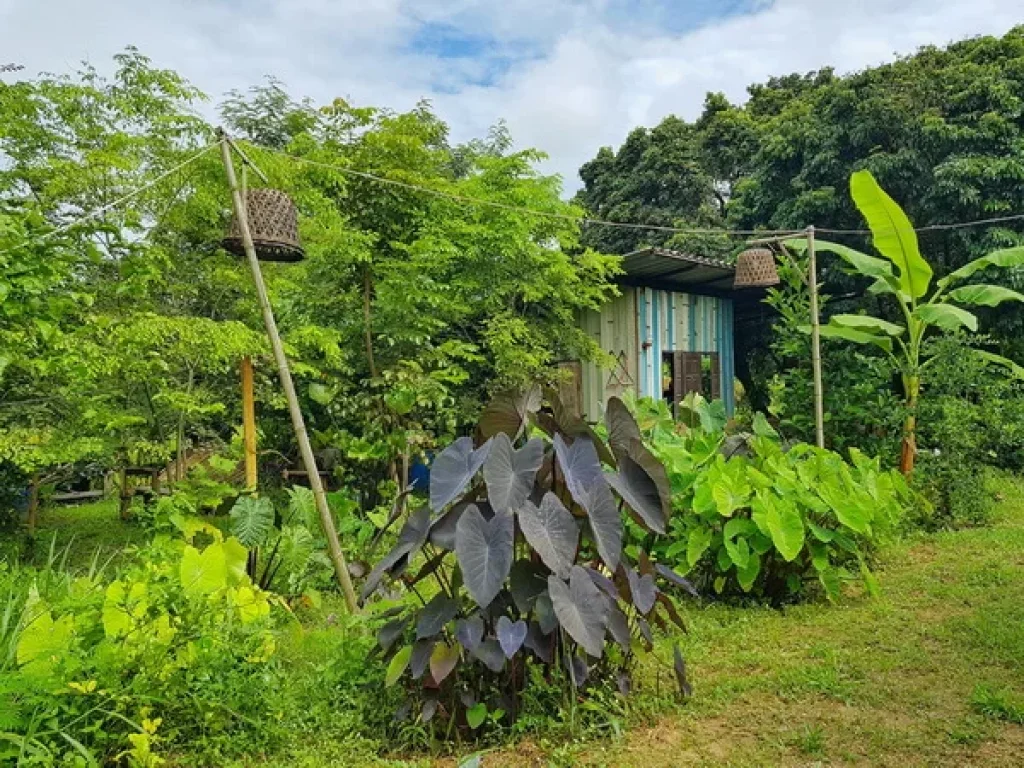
(594, 72)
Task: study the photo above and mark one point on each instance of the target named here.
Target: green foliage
(861, 411)
(252, 520)
(755, 517)
(92, 668)
(501, 561)
(923, 309)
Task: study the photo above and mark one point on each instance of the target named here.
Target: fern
(252, 520)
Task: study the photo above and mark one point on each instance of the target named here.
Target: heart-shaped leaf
(439, 611)
(509, 473)
(639, 491)
(508, 413)
(622, 427)
(643, 590)
(490, 653)
(586, 482)
(420, 658)
(552, 531)
(452, 470)
(511, 635)
(581, 609)
(476, 715)
(469, 632)
(484, 550)
(390, 632)
(442, 530)
(527, 581)
(443, 661)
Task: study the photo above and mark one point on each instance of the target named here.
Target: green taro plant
(923, 307)
(755, 517)
(517, 564)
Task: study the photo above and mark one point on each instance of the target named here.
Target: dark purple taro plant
(518, 561)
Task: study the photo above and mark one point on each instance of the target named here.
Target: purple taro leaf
(509, 474)
(511, 635)
(643, 590)
(470, 632)
(452, 470)
(490, 653)
(552, 531)
(581, 609)
(484, 550)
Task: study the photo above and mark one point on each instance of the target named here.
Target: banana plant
(904, 274)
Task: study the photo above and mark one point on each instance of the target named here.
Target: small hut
(670, 332)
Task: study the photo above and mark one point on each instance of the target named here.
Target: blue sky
(568, 76)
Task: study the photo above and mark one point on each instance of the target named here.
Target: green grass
(85, 531)
(931, 673)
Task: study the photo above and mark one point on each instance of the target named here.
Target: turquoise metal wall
(669, 321)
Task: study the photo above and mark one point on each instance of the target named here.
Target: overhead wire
(494, 204)
(604, 222)
(98, 212)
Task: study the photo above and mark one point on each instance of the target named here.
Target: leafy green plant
(906, 276)
(518, 563)
(91, 667)
(756, 517)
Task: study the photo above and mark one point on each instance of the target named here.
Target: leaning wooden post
(298, 423)
(812, 282)
(249, 425)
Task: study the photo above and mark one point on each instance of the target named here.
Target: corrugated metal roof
(673, 270)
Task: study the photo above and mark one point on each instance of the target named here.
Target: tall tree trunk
(367, 325)
(908, 452)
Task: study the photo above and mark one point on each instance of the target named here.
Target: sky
(568, 76)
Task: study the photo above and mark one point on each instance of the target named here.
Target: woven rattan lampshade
(274, 225)
(755, 267)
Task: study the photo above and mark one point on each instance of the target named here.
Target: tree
(904, 275)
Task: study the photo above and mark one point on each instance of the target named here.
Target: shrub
(520, 567)
(755, 517)
(170, 653)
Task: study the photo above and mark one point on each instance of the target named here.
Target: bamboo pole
(298, 423)
(249, 425)
(819, 407)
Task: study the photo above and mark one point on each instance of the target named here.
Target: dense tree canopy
(130, 325)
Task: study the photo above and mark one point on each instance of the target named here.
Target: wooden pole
(819, 406)
(249, 425)
(298, 423)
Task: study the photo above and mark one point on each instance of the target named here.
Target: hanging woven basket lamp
(274, 225)
(755, 268)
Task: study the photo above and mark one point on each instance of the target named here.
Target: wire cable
(116, 203)
(618, 224)
(470, 200)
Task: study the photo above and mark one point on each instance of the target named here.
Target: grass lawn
(85, 531)
(931, 673)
